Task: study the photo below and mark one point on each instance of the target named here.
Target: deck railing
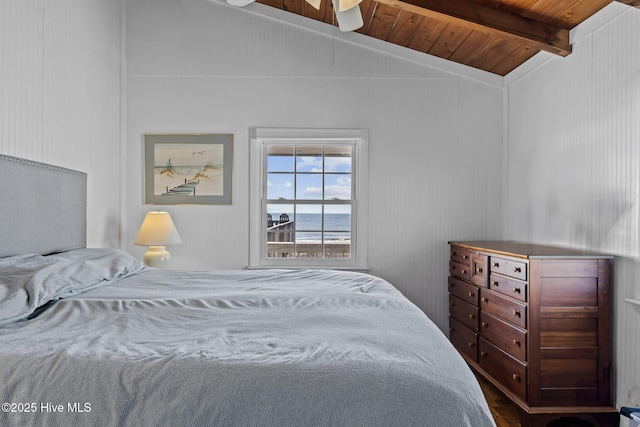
(280, 231)
(281, 243)
(332, 249)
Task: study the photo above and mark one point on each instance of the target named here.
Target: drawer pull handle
(472, 316)
(483, 299)
(471, 344)
(517, 270)
(485, 325)
(496, 284)
(516, 342)
(451, 329)
(516, 290)
(452, 304)
(483, 354)
(465, 256)
(463, 272)
(471, 294)
(496, 264)
(516, 313)
(515, 377)
(480, 270)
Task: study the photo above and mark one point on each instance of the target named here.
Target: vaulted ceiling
(491, 35)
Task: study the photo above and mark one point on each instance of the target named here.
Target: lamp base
(157, 257)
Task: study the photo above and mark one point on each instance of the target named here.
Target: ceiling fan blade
(314, 3)
(350, 19)
(239, 3)
(344, 5)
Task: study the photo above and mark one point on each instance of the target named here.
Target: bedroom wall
(572, 172)
(203, 66)
(60, 96)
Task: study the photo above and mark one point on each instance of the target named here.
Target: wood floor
(504, 413)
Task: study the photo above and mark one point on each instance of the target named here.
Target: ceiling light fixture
(240, 3)
(348, 14)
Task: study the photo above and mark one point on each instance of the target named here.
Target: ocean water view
(308, 226)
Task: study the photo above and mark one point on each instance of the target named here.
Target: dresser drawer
(479, 269)
(513, 288)
(464, 290)
(466, 313)
(504, 368)
(506, 308)
(464, 339)
(504, 335)
(462, 271)
(509, 267)
(461, 256)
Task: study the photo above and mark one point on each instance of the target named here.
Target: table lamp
(156, 231)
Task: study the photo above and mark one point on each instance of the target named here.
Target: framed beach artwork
(181, 169)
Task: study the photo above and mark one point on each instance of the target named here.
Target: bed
(90, 336)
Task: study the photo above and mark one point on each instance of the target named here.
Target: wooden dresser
(534, 321)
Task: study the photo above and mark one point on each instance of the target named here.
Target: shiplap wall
(572, 173)
(60, 95)
(202, 66)
(570, 159)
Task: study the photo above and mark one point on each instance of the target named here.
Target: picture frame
(188, 169)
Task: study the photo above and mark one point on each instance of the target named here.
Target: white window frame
(259, 139)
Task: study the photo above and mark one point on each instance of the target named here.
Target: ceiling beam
(493, 21)
(635, 3)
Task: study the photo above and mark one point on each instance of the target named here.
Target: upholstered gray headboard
(43, 208)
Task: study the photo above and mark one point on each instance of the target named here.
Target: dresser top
(527, 250)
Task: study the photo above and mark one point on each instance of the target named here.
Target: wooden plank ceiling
(492, 35)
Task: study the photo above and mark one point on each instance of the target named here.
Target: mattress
(92, 337)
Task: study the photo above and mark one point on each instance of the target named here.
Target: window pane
(276, 209)
(280, 186)
(308, 159)
(337, 187)
(309, 186)
(280, 231)
(302, 237)
(279, 158)
(309, 218)
(337, 218)
(337, 245)
(337, 159)
(309, 245)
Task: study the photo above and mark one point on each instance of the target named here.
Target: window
(308, 198)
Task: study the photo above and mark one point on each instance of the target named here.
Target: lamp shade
(157, 229)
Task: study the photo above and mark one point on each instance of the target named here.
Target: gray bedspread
(235, 348)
